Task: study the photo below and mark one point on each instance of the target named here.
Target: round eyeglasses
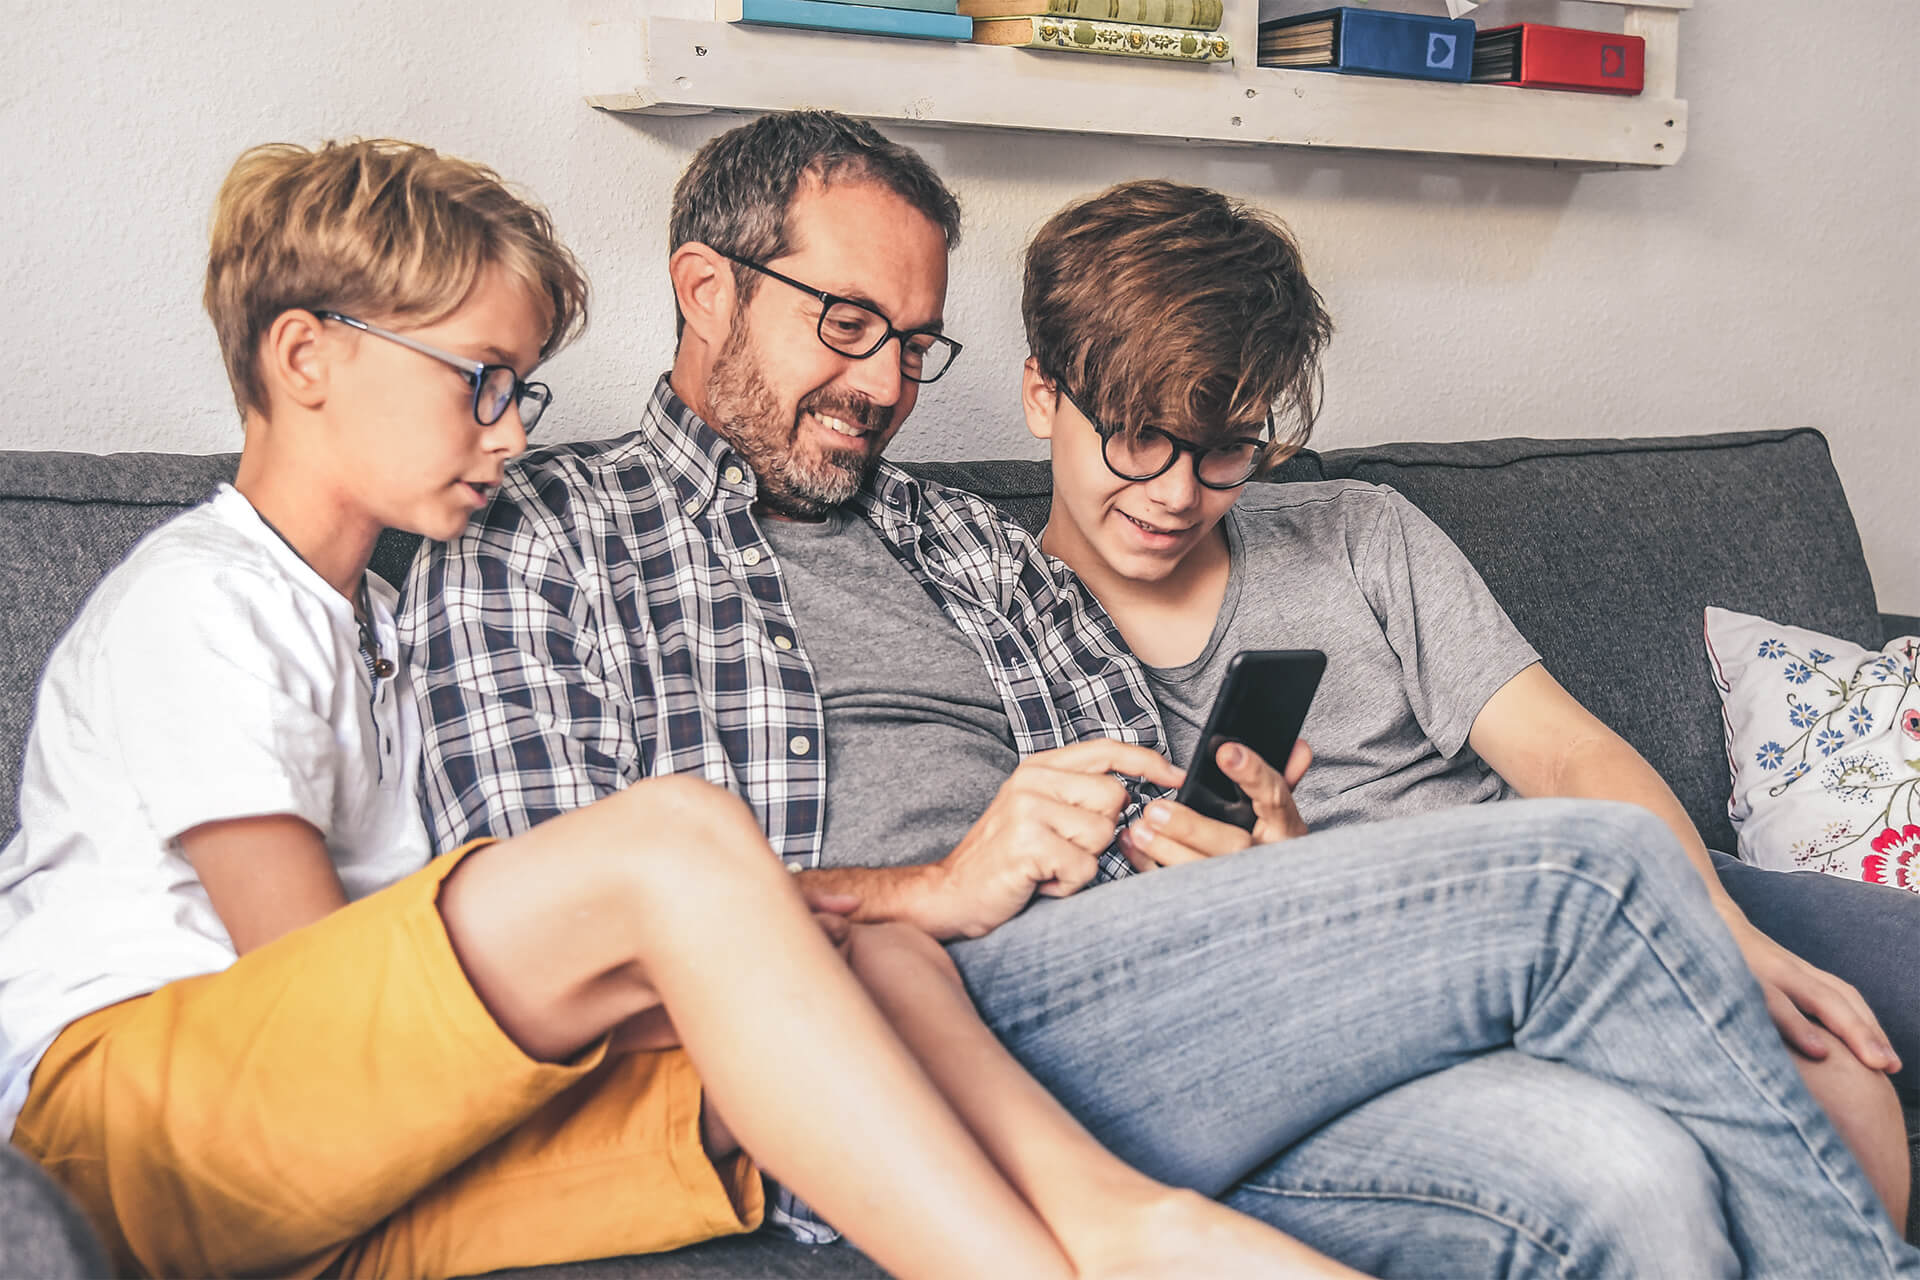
(1146, 453)
(857, 330)
(495, 386)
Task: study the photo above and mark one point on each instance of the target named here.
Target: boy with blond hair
(252, 1027)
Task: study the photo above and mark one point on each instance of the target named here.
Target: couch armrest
(1898, 624)
(41, 1233)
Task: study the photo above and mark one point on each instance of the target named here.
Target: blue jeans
(1206, 1020)
(1866, 934)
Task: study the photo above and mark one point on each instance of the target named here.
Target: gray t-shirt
(1415, 646)
(918, 740)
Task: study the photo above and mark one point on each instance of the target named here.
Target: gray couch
(1603, 551)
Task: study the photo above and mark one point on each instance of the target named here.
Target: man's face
(812, 423)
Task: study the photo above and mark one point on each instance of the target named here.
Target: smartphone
(1262, 704)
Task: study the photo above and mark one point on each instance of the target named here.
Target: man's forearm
(911, 895)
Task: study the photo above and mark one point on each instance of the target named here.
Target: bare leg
(1111, 1219)
(1866, 1110)
(667, 894)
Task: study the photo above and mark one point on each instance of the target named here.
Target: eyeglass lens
(495, 392)
(1150, 452)
(855, 331)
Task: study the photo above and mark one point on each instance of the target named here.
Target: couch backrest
(65, 519)
(1604, 553)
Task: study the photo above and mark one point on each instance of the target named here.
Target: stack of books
(1174, 30)
(1370, 42)
(920, 19)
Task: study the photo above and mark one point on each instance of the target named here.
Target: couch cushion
(1606, 553)
(42, 1232)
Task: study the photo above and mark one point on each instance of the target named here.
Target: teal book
(922, 6)
(831, 15)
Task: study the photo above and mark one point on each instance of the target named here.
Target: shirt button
(781, 642)
(800, 744)
(751, 555)
(796, 866)
(735, 475)
(692, 506)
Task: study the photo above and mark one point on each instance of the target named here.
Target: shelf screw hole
(1253, 93)
(1236, 122)
(1659, 146)
(1669, 124)
(700, 51)
(682, 83)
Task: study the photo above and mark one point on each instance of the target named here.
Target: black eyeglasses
(495, 386)
(857, 330)
(1147, 453)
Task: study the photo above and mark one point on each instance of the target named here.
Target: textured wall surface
(1768, 280)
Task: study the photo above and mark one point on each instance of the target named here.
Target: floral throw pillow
(1824, 741)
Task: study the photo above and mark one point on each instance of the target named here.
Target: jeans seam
(1766, 1095)
(1432, 1198)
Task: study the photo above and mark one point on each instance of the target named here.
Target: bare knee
(676, 826)
(1866, 1110)
(878, 951)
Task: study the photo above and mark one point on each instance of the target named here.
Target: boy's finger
(1169, 819)
(1164, 849)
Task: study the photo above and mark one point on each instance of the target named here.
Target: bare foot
(1182, 1235)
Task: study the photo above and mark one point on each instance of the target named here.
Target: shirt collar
(692, 453)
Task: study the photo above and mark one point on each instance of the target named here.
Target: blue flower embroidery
(1819, 656)
(1772, 649)
(1829, 741)
(1770, 755)
(1798, 672)
(1802, 714)
(1798, 771)
(1860, 720)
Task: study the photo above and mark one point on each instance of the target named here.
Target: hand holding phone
(1262, 704)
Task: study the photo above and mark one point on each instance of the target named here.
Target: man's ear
(703, 286)
(1039, 398)
(295, 359)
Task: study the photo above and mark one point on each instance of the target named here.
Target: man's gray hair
(736, 193)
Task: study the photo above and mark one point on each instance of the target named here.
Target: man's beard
(748, 414)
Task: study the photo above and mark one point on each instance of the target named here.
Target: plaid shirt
(615, 614)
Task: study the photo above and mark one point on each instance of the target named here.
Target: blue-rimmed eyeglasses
(858, 330)
(1148, 452)
(495, 386)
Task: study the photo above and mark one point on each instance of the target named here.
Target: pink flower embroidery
(1897, 852)
(1910, 722)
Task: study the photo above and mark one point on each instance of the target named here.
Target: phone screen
(1262, 703)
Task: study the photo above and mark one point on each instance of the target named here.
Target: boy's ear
(703, 286)
(293, 359)
(1039, 398)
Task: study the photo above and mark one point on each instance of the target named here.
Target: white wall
(1768, 280)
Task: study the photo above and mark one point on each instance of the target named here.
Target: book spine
(859, 19)
(922, 6)
(1126, 40)
(1195, 15)
(1399, 44)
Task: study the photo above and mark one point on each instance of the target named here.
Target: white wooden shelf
(664, 65)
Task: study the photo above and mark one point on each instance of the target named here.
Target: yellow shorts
(339, 1100)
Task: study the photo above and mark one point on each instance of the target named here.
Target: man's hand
(1044, 833)
(1798, 994)
(1170, 833)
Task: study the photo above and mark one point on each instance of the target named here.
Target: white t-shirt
(212, 675)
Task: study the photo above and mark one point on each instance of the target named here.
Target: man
(926, 717)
